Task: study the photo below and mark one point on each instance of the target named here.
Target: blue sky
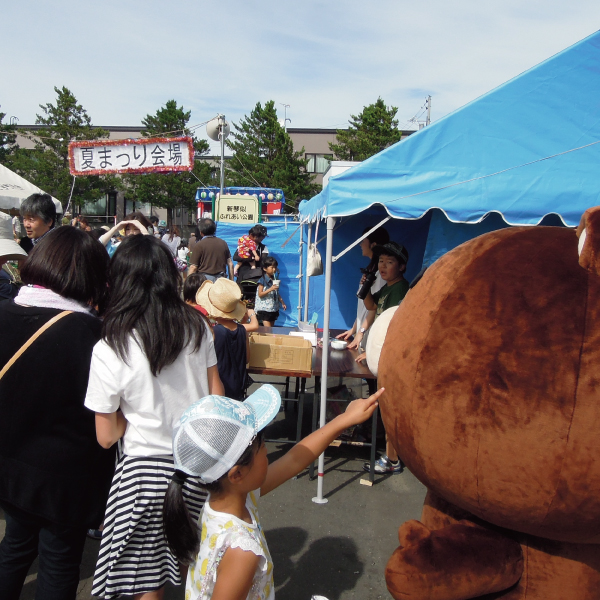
(326, 59)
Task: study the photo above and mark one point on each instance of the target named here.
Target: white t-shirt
(172, 244)
(151, 405)
(221, 531)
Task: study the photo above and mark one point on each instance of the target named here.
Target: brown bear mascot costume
(491, 367)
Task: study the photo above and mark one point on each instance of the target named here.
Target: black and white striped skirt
(134, 556)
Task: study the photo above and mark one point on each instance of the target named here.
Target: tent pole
(318, 499)
(300, 250)
(306, 277)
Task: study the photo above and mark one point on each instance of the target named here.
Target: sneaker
(384, 465)
(95, 534)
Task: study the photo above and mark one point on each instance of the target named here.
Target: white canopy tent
(14, 189)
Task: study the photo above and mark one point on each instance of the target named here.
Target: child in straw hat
(222, 300)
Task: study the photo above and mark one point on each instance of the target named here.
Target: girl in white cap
(219, 441)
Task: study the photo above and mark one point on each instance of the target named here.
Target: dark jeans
(60, 550)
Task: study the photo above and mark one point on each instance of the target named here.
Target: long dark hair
(145, 296)
(181, 531)
(138, 216)
(71, 263)
(380, 236)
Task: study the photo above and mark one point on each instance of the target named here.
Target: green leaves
(369, 133)
(264, 156)
(7, 139)
(170, 190)
(47, 165)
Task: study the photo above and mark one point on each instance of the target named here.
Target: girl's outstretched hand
(360, 410)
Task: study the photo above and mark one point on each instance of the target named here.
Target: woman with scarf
(54, 476)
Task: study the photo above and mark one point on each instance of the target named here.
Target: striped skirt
(134, 556)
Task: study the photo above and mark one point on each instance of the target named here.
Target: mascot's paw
(457, 562)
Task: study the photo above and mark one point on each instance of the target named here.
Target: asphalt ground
(337, 550)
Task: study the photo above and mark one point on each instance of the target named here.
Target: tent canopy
(14, 189)
(527, 149)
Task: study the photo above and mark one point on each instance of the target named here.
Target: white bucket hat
(9, 249)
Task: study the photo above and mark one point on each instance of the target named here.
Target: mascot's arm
(457, 562)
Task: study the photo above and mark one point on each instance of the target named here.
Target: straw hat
(223, 299)
(9, 249)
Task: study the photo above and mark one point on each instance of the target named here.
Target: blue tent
(526, 149)
(526, 153)
(282, 243)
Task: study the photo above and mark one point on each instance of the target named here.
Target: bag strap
(32, 339)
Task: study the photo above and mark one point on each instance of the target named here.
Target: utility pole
(285, 119)
(428, 104)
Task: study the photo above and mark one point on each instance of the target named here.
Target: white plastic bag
(314, 263)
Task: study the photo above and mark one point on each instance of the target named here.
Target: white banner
(100, 157)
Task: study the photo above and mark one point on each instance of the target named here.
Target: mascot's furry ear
(588, 233)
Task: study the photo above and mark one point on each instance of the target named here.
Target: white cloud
(123, 60)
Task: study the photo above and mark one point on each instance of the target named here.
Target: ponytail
(181, 531)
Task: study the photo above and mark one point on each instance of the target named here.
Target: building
(313, 141)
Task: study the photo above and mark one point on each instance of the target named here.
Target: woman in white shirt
(155, 358)
(363, 319)
(172, 239)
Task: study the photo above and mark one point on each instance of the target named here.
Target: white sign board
(159, 155)
(237, 209)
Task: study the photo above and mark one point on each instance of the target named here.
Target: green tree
(171, 190)
(264, 156)
(7, 139)
(369, 133)
(47, 165)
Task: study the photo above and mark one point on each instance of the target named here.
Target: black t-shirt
(246, 272)
(51, 464)
(26, 244)
(8, 288)
(230, 348)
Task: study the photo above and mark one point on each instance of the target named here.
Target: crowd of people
(106, 352)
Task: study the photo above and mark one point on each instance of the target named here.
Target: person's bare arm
(192, 269)
(230, 268)
(105, 238)
(308, 449)
(215, 386)
(253, 325)
(369, 302)
(262, 292)
(235, 574)
(110, 428)
(347, 334)
(369, 320)
(247, 348)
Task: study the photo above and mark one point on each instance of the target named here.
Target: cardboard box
(280, 352)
